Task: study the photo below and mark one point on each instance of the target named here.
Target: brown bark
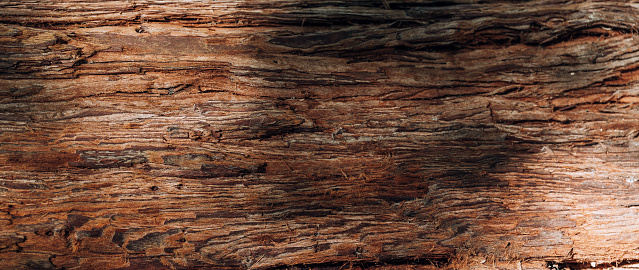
(275, 134)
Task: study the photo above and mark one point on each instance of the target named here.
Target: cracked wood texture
(277, 134)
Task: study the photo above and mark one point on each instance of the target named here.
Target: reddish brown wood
(323, 134)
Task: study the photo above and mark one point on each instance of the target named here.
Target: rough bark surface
(276, 134)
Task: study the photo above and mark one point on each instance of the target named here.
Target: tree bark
(325, 134)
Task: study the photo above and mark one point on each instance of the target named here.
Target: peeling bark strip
(324, 134)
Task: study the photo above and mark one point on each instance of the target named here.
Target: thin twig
(386, 5)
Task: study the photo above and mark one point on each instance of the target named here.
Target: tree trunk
(277, 134)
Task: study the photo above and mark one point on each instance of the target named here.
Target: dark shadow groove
(439, 261)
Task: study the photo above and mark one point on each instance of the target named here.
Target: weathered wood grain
(323, 134)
